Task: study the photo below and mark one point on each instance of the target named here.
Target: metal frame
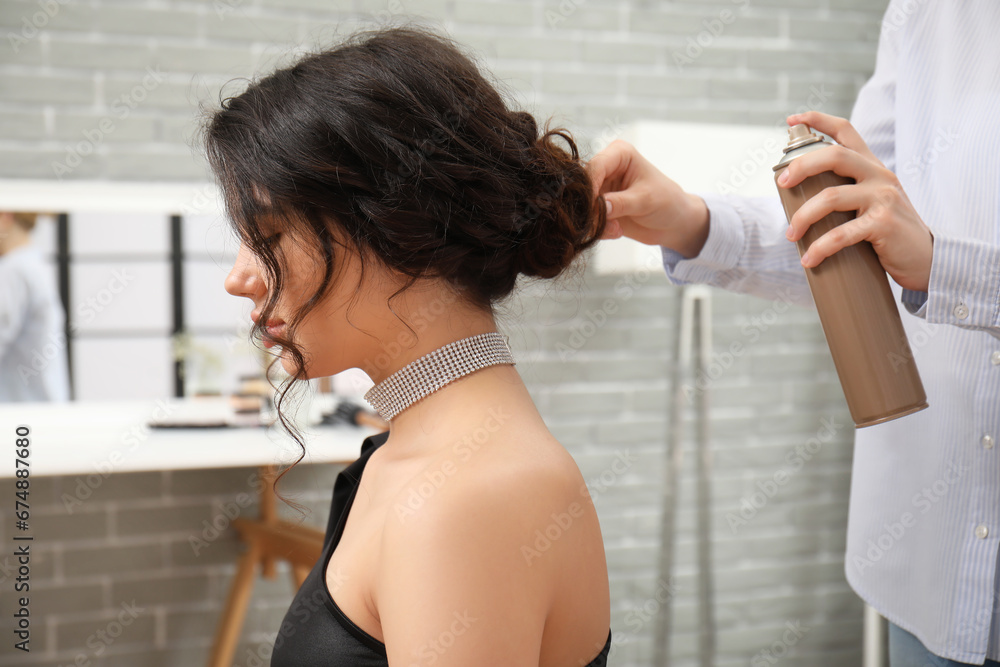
(694, 319)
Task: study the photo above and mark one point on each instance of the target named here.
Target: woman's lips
(274, 327)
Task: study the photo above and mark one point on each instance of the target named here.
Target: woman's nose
(244, 278)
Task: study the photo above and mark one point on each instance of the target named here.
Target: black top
(315, 632)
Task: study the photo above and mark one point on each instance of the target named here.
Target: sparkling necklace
(436, 369)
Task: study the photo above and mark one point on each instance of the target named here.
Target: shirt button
(995, 358)
(982, 532)
(988, 441)
(961, 311)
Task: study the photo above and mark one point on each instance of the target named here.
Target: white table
(114, 437)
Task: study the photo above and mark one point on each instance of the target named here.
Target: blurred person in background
(923, 145)
(32, 341)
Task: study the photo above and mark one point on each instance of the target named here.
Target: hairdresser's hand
(886, 218)
(645, 205)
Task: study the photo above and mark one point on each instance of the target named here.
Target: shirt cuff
(915, 302)
(964, 285)
(722, 249)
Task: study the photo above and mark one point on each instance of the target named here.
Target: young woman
(386, 198)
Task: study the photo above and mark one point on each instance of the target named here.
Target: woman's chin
(288, 364)
(310, 372)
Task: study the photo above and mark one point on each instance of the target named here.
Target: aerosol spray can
(856, 305)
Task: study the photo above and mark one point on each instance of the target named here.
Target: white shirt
(32, 340)
(924, 520)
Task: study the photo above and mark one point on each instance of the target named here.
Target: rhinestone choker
(436, 369)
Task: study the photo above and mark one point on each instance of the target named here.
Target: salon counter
(115, 436)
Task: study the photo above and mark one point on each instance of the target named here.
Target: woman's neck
(423, 319)
(471, 409)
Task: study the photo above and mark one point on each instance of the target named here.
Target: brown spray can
(855, 304)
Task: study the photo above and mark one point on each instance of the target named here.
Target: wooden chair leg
(231, 622)
(269, 540)
(268, 515)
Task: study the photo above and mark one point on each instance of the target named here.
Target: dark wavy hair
(395, 142)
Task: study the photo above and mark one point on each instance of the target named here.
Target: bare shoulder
(461, 541)
(513, 477)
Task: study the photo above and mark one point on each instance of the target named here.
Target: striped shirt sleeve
(746, 251)
(964, 288)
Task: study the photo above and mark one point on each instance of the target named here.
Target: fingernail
(608, 205)
(806, 260)
(788, 233)
(783, 178)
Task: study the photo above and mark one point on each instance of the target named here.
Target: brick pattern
(112, 90)
(116, 84)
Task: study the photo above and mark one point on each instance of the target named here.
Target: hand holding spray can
(856, 305)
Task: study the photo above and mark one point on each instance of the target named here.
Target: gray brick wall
(596, 64)
(68, 65)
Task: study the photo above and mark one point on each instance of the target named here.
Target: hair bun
(559, 216)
